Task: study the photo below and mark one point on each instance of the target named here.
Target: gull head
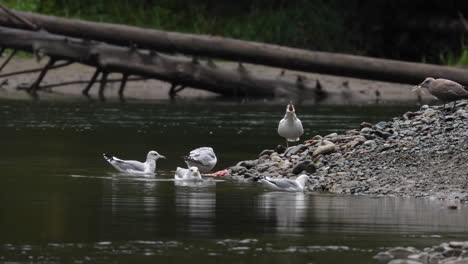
(194, 171)
(303, 179)
(290, 109)
(425, 84)
(154, 155)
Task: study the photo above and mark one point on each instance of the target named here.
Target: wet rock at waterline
(421, 154)
(454, 252)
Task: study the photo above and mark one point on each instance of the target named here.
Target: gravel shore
(421, 154)
(454, 252)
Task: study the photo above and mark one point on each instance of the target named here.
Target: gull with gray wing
(203, 158)
(133, 166)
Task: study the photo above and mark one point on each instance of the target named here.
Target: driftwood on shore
(177, 70)
(238, 50)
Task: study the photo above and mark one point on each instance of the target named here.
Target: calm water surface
(60, 202)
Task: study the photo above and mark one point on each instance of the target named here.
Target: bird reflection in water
(195, 206)
(288, 209)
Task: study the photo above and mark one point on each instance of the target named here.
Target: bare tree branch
(36, 69)
(12, 54)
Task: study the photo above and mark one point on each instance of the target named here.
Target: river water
(60, 202)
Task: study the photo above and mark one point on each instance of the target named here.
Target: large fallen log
(245, 51)
(177, 70)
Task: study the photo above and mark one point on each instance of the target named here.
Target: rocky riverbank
(453, 252)
(421, 154)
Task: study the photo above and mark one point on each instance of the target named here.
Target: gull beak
(291, 108)
(418, 88)
(415, 88)
(162, 157)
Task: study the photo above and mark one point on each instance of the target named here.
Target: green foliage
(358, 27)
(29, 5)
(449, 58)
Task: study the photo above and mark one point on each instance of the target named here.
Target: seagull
(203, 158)
(191, 173)
(285, 185)
(290, 127)
(133, 166)
(444, 90)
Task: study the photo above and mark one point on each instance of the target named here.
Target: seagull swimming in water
(191, 173)
(285, 185)
(290, 127)
(203, 158)
(444, 90)
(133, 166)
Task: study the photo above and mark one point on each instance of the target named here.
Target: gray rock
(457, 261)
(356, 142)
(404, 261)
(464, 254)
(238, 169)
(381, 125)
(264, 166)
(280, 149)
(370, 143)
(365, 125)
(369, 136)
(249, 175)
(295, 150)
(266, 152)
(326, 147)
(383, 256)
(248, 164)
(275, 158)
(284, 165)
(366, 130)
(401, 252)
(331, 136)
(452, 252)
(409, 115)
(449, 118)
(316, 137)
(457, 244)
(435, 258)
(294, 157)
(300, 167)
(310, 168)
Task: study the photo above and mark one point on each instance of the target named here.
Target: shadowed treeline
(408, 30)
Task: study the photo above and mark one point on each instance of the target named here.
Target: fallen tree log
(177, 70)
(238, 50)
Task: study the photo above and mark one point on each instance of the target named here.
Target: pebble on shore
(421, 154)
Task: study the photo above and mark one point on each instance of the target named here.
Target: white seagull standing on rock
(191, 173)
(203, 158)
(285, 185)
(290, 127)
(133, 166)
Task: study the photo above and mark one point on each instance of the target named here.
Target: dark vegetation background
(398, 29)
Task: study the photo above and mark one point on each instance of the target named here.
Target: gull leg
(454, 104)
(287, 144)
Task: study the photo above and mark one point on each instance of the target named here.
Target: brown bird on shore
(444, 90)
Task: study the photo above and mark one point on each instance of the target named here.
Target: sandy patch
(360, 91)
